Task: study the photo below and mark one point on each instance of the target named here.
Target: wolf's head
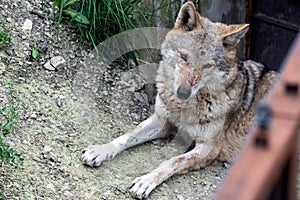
(200, 51)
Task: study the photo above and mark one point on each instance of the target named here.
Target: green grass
(8, 115)
(34, 52)
(8, 118)
(98, 20)
(4, 37)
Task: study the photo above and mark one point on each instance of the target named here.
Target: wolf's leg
(200, 156)
(152, 128)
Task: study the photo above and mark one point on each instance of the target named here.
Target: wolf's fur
(204, 90)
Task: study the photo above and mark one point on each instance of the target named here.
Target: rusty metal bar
(270, 171)
(276, 22)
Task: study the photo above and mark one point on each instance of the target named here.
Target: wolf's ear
(188, 17)
(195, 2)
(234, 33)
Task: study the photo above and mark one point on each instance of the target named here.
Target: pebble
(28, 5)
(2, 67)
(60, 138)
(20, 54)
(92, 55)
(9, 20)
(55, 63)
(16, 185)
(180, 197)
(48, 34)
(58, 62)
(27, 26)
(141, 97)
(47, 149)
(58, 101)
(33, 116)
(126, 77)
(51, 187)
(48, 66)
(227, 165)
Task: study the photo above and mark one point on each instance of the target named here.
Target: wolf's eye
(184, 57)
(208, 64)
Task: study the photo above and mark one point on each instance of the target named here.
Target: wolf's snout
(183, 92)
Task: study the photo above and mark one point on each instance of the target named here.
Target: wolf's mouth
(197, 87)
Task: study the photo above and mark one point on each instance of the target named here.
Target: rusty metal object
(263, 117)
(271, 173)
(273, 29)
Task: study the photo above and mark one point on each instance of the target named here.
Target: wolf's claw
(142, 186)
(94, 155)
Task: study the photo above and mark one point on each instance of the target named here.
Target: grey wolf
(200, 78)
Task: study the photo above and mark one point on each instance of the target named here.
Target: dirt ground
(63, 111)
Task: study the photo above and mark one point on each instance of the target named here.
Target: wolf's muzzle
(183, 93)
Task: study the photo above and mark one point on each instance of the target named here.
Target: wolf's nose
(183, 93)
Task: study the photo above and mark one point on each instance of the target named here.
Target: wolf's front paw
(142, 186)
(95, 154)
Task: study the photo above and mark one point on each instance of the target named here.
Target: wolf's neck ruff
(251, 72)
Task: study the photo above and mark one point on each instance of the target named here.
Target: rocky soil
(66, 107)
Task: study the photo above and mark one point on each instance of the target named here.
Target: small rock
(48, 66)
(127, 76)
(66, 187)
(58, 62)
(131, 63)
(227, 165)
(38, 13)
(48, 34)
(20, 54)
(44, 49)
(27, 26)
(28, 5)
(92, 55)
(60, 138)
(25, 142)
(141, 97)
(51, 187)
(47, 149)
(58, 101)
(16, 185)
(9, 20)
(21, 79)
(2, 67)
(67, 194)
(33, 116)
(180, 197)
